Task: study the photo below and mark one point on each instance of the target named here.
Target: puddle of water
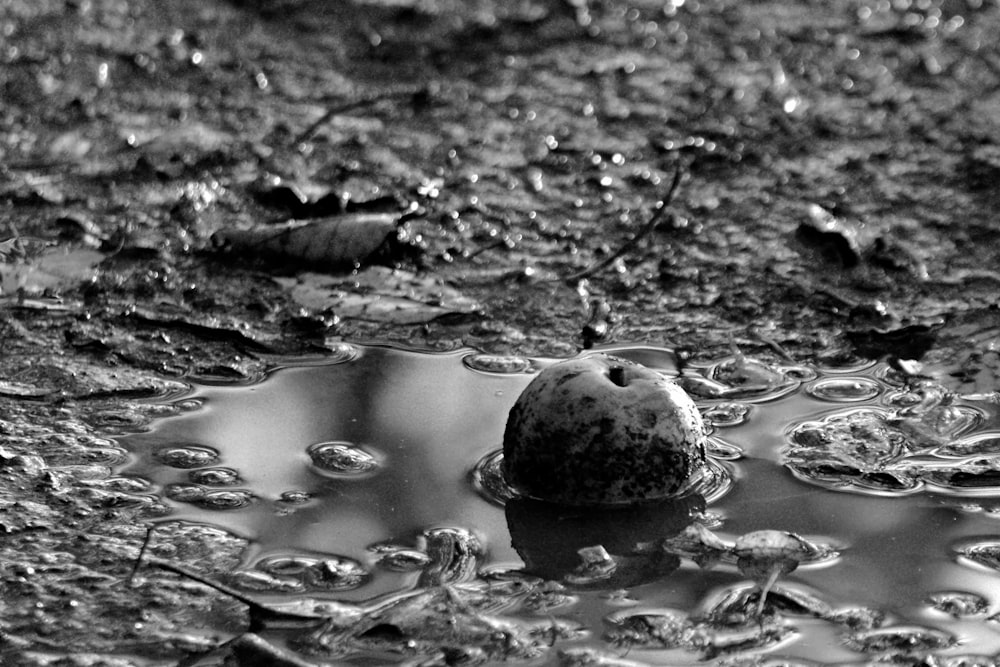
(347, 475)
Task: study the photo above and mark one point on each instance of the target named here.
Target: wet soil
(839, 165)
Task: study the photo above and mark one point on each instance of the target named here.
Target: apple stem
(617, 375)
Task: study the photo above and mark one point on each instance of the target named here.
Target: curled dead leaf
(335, 243)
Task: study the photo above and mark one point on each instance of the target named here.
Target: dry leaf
(339, 242)
(379, 294)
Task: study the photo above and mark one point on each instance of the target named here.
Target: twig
(310, 131)
(142, 554)
(654, 220)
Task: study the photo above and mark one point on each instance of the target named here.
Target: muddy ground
(838, 169)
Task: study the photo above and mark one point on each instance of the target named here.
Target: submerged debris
(923, 439)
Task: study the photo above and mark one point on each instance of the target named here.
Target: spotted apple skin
(600, 430)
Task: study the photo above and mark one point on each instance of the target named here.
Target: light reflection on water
(427, 419)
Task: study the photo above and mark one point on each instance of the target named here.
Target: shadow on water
(353, 460)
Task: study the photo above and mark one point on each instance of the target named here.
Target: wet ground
(836, 204)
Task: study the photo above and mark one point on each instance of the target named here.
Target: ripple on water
(332, 573)
(716, 479)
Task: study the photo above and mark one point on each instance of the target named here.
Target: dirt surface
(839, 165)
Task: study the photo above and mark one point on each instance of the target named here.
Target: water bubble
(493, 363)
(342, 458)
(187, 456)
(225, 500)
(215, 477)
(184, 493)
(727, 414)
(958, 604)
(844, 390)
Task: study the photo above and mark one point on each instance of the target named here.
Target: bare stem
(654, 220)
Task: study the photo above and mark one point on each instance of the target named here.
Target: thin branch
(654, 220)
(367, 100)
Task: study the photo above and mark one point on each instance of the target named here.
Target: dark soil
(840, 165)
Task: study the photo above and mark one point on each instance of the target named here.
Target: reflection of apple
(601, 430)
(549, 538)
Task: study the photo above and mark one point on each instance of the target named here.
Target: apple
(599, 430)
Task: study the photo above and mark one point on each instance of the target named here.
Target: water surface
(351, 461)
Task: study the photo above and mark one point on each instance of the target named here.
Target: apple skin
(599, 430)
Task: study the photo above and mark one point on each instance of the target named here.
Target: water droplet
(184, 493)
(342, 458)
(493, 363)
(225, 500)
(727, 414)
(215, 477)
(844, 390)
(187, 456)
